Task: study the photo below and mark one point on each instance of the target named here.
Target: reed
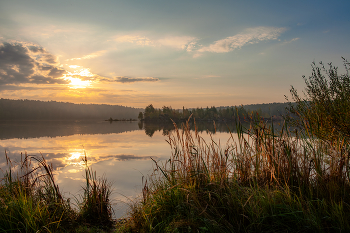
(261, 182)
(96, 209)
(30, 200)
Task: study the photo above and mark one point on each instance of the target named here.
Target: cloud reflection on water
(122, 157)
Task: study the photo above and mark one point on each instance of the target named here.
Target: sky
(167, 53)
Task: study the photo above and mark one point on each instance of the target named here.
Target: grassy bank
(262, 182)
(30, 200)
(259, 181)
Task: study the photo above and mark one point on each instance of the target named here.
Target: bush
(325, 110)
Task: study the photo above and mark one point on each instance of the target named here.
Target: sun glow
(75, 155)
(78, 83)
(75, 77)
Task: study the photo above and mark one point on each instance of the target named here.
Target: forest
(52, 110)
(276, 111)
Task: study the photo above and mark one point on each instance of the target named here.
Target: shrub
(325, 110)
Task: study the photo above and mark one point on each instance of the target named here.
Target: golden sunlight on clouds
(74, 77)
(75, 159)
(175, 42)
(89, 56)
(75, 155)
(78, 83)
(73, 171)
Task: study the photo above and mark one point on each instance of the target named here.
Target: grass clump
(30, 200)
(260, 182)
(96, 209)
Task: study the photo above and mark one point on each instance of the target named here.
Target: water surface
(119, 151)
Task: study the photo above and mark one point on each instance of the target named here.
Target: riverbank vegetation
(262, 181)
(30, 200)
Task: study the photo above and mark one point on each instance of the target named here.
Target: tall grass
(261, 182)
(96, 208)
(30, 200)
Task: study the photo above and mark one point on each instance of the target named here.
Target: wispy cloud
(135, 39)
(248, 36)
(89, 56)
(290, 41)
(130, 80)
(175, 42)
(124, 157)
(178, 42)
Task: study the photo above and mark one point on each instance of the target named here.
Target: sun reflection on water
(75, 155)
(123, 158)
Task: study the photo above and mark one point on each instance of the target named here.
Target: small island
(111, 119)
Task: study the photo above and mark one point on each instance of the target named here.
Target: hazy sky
(173, 53)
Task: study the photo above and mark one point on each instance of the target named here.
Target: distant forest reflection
(37, 129)
(150, 127)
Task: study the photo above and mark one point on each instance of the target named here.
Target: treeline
(227, 114)
(270, 109)
(52, 110)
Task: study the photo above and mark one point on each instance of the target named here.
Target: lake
(119, 151)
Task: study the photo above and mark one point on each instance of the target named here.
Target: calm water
(120, 151)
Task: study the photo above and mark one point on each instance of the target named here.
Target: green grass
(262, 182)
(30, 201)
(96, 209)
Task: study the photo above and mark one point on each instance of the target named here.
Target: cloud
(130, 80)
(248, 36)
(123, 157)
(89, 56)
(22, 63)
(175, 42)
(292, 40)
(30, 88)
(56, 72)
(191, 46)
(178, 42)
(135, 39)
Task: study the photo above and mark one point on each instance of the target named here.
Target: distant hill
(52, 110)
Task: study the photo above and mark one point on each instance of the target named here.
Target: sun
(74, 77)
(77, 82)
(75, 155)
